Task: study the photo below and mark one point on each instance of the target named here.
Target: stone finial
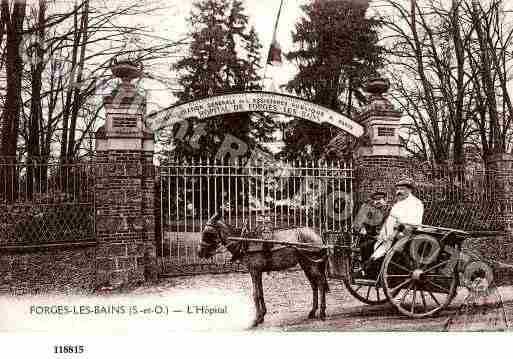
(377, 87)
(127, 70)
(128, 65)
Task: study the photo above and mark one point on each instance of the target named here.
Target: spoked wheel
(366, 291)
(416, 279)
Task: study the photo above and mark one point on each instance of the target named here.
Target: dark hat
(406, 182)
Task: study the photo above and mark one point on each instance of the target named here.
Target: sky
(262, 15)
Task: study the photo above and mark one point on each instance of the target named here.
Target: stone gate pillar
(125, 186)
(500, 166)
(380, 159)
(499, 247)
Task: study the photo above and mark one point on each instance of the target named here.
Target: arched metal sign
(258, 102)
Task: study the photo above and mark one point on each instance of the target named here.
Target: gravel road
(288, 299)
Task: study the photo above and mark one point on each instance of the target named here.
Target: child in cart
(367, 225)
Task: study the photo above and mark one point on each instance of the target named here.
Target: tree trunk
(14, 68)
(36, 115)
(77, 98)
(69, 92)
(11, 113)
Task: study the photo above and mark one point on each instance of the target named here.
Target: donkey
(258, 260)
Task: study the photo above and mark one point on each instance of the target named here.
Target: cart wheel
(418, 288)
(367, 292)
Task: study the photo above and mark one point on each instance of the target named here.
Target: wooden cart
(418, 275)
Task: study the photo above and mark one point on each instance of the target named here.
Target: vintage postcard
(255, 166)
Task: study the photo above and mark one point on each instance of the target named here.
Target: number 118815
(68, 349)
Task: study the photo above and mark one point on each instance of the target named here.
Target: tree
(56, 59)
(67, 55)
(11, 22)
(11, 27)
(223, 57)
(490, 61)
(337, 51)
(450, 65)
(428, 45)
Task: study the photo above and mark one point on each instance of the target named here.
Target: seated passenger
(407, 210)
(368, 222)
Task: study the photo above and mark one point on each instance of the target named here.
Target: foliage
(337, 51)
(224, 57)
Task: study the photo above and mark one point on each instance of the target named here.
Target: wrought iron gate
(289, 194)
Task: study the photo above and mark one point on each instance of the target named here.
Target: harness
(237, 253)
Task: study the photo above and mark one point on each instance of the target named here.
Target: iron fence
(286, 194)
(459, 197)
(46, 203)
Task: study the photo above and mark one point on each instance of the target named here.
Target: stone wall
(379, 173)
(65, 270)
(124, 252)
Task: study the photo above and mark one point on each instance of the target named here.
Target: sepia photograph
(255, 166)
